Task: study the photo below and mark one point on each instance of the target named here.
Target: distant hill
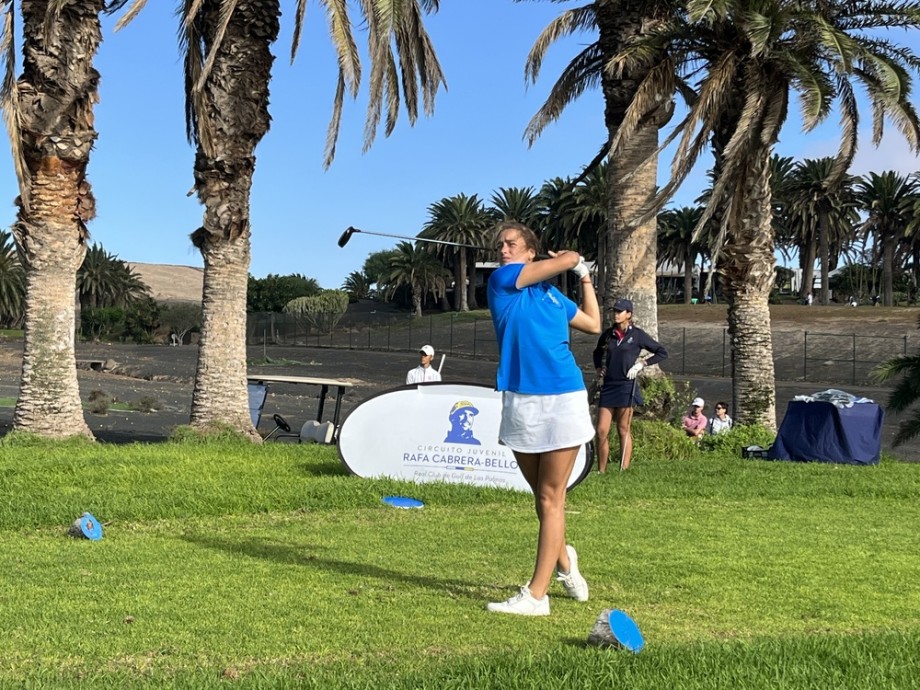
(169, 283)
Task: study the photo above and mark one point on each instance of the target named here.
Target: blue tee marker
(87, 526)
(402, 502)
(625, 631)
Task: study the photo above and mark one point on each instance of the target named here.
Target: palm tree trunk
(472, 303)
(220, 394)
(464, 304)
(631, 249)
(417, 301)
(688, 275)
(808, 265)
(825, 257)
(231, 120)
(458, 282)
(889, 242)
(49, 395)
(748, 269)
(631, 256)
(56, 94)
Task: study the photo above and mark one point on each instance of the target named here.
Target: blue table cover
(822, 432)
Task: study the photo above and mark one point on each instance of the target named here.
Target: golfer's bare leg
(623, 418)
(553, 471)
(604, 415)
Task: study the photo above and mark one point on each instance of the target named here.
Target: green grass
(225, 564)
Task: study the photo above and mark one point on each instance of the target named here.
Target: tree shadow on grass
(326, 469)
(279, 552)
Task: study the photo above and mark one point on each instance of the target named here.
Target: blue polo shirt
(532, 328)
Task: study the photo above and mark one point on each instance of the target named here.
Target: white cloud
(892, 153)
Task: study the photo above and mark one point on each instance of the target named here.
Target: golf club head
(349, 231)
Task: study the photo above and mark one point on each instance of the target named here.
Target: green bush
(666, 400)
(99, 402)
(146, 404)
(653, 439)
(322, 311)
(739, 436)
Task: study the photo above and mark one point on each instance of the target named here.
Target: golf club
(632, 401)
(343, 240)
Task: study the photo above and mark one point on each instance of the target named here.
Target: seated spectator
(721, 422)
(695, 420)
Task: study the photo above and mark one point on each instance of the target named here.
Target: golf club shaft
(632, 401)
(343, 240)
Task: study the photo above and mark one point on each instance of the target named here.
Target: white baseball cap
(427, 350)
(697, 402)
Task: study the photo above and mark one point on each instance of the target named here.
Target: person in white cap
(424, 372)
(695, 420)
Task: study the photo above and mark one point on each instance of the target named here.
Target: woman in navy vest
(618, 361)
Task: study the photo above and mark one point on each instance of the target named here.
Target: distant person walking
(424, 372)
(617, 359)
(545, 412)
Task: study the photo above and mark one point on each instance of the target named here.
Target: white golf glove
(635, 369)
(580, 269)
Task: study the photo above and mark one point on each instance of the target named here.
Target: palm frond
(579, 75)
(128, 16)
(569, 22)
(332, 133)
(227, 8)
(9, 102)
(344, 43)
(299, 14)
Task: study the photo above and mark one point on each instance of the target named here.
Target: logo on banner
(461, 419)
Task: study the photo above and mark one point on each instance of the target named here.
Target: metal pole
(853, 382)
(805, 358)
(683, 359)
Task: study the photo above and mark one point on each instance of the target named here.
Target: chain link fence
(835, 358)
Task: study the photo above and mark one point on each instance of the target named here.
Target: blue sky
(141, 168)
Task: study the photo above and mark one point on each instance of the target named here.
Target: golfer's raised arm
(588, 317)
(538, 271)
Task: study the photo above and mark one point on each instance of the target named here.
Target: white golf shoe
(575, 585)
(523, 604)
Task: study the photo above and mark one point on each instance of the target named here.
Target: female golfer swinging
(545, 415)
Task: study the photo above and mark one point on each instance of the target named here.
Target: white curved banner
(436, 432)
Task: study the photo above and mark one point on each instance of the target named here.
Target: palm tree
(227, 71)
(12, 282)
(888, 199)
(104, 280)
(49, 116)
(678, 244)
(420, 271)
(745, 59)
(521, 204)
(821, 205)
(559, 207)
(357, 285)
(628, 246)
(465, 220)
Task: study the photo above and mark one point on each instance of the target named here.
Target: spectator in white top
(424, 372)
(721, 422)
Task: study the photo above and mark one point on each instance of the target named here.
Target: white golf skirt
(540, 423)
